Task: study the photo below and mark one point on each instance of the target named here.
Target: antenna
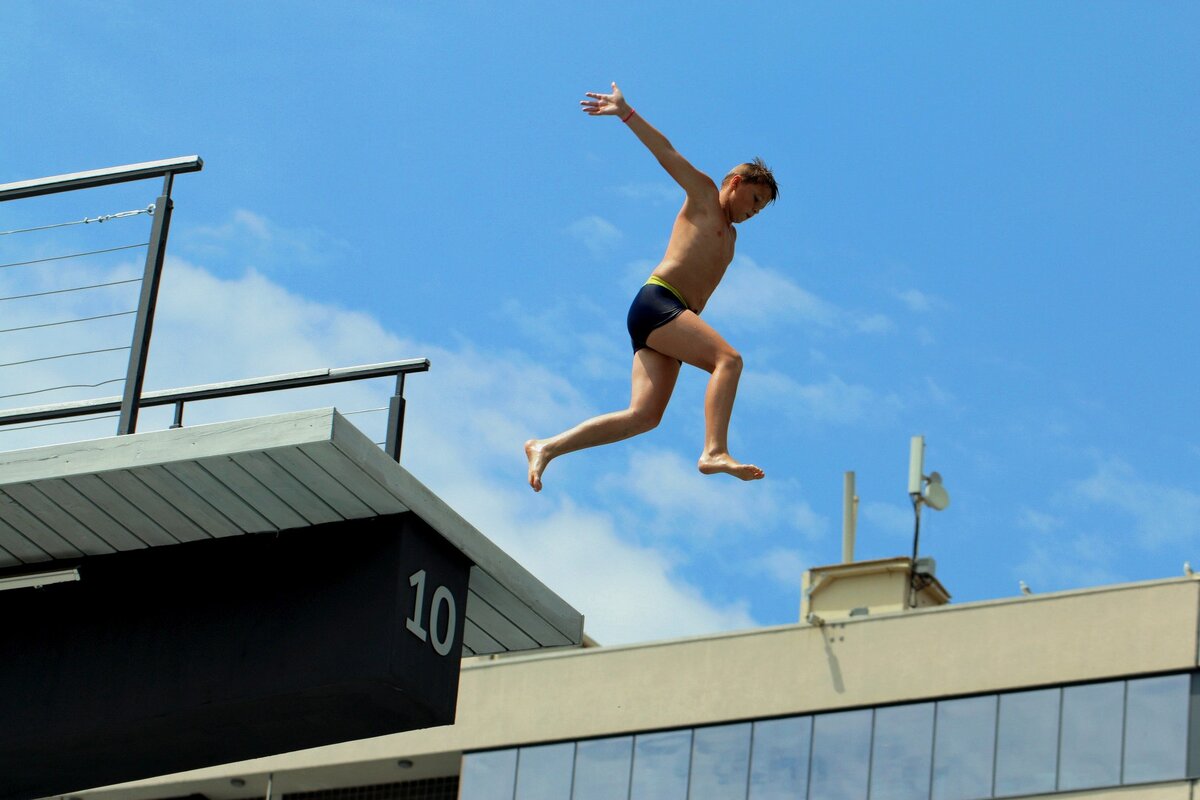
(923, 490)
(916, 464)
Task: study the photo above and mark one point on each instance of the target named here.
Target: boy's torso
(699, 252)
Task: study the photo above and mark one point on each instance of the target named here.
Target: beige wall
(944, 651)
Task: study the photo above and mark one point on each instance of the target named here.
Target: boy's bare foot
(723, 462)
(535, 452)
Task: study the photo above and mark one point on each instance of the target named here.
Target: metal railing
(166, 169)
(271, 383)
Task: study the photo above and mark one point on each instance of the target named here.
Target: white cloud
(716, 517)
(254, 224)
(809, 523)
(832, 400)
(689, 504)
(593, 355)
(751, 294)
(254, 239)
(1038, 521)
(597, 234)
(888, 518)
(656, 193)
(603, 356)
(627, 592)
(784, 566)
(1147, 515)
(1067, 562)
(1159, 514)
(937, 394)
(916, 300)
(637, 271)
(874, 323)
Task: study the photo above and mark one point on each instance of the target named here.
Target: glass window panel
(841, 754)
(1156, 729)
(602, 769)
(660, 765)
(544, 772)
(488, 776)
(1027, 748)
(1091, 735)
(902, 753)
(779, 763)
(720, 762)
(962, 753)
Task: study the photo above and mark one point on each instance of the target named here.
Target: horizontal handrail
(210, 391)
(100, 177)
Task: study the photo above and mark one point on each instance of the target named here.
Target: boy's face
(747, 199)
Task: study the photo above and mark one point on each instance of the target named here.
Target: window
(660, 766)
(841, 755)
(962, 754)
(902, 752)
(720, 763)
(1027, 745)
(779, 763)
(544, 773)
(1092, 719)
(489, 776)
(602, 769)
(1156, 729)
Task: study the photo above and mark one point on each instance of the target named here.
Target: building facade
(1086, 694)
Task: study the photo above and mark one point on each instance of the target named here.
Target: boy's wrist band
(628, 116)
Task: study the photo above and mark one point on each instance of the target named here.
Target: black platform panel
(174, 658)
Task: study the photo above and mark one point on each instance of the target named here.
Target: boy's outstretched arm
(691, 179)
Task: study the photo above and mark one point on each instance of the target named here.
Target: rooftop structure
(180, 598)
(235, 589)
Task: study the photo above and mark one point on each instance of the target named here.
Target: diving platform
(189, 597)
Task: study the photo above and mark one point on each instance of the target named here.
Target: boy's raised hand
(602, 104)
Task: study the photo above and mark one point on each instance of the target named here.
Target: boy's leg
(653, 380)
(692, 340)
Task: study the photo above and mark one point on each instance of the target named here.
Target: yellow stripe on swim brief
(657, 281)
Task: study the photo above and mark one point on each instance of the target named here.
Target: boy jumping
(664, 321)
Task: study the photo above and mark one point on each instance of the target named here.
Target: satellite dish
(934, 494)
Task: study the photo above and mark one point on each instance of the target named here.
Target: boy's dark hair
(755, 172)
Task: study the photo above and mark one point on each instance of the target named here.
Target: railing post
(395, 429)
(178, 422)
(140, 349)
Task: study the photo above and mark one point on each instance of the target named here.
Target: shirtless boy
(664, 321)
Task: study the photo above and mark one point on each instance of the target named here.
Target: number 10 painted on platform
(442, 598)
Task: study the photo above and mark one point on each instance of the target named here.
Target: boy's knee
(730, 360)
(646, 419)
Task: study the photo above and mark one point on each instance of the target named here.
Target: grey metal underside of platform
(249, 476)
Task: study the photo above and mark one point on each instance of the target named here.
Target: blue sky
(988, 233)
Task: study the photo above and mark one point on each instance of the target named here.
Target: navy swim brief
(653, 307)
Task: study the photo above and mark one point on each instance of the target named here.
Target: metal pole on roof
(139, 351)
(395, 425)
(849, 517)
